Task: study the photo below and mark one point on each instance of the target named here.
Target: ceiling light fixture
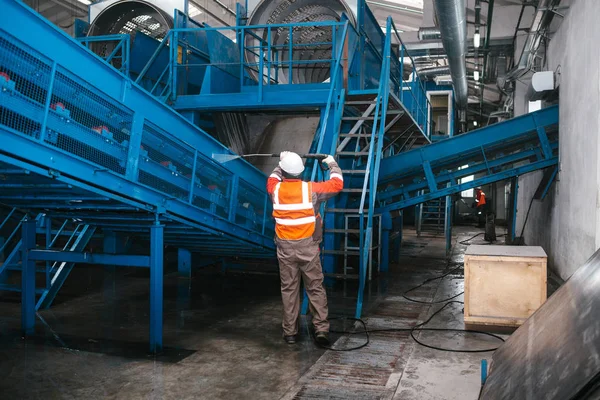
(477, 40)
(476, 75)
(474, 123)
(86, 2)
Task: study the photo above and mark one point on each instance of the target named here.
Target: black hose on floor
(418, 327)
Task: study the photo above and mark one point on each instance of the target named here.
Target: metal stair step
(358, 118)
(354, 190)
(342, 252)
(345, 210)
(341, 276)
(355, 135)
(352, 153)
(342, 230)
(358, 102)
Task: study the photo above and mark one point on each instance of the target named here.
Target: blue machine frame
(82, 140)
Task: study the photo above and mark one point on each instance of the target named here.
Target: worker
(480, 206)
(479, 198)
(298, 234)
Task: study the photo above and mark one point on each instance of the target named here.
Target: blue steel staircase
(432, 216)
(77, 237)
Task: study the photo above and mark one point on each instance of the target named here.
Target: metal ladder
(432, 217)
(55, 274)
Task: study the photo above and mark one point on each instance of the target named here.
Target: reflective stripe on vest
(293, 210)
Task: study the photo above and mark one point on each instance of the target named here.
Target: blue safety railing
(115, 49)
(372, 168)
(253, 61)
(332, 101)
(411, 93)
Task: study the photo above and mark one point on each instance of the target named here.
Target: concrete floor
(223, 340)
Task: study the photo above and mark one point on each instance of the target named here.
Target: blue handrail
(372, 169)
(330, 97)
(123, 44)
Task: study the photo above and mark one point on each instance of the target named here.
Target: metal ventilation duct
(427, 73)
(295, 11)
(452, 21)
(541, 21)
(430, 33)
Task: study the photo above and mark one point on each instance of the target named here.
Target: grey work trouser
(301, 257)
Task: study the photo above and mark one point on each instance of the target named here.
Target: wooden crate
(504, 285)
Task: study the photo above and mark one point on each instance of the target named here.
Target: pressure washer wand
(223, 158)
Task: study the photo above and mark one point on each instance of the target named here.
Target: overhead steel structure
(120, 149)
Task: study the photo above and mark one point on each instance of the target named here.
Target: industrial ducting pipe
(452, 21)
(429, 33)
(427, 73)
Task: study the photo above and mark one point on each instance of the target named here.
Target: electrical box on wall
(540, 86)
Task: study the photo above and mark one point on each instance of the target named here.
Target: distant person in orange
(480, 205)
(298, 233)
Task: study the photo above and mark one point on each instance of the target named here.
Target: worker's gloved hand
(328, 160)
(284, 154)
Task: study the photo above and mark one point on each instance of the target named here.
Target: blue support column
(156, 288)
(184, 263)
(28, 279)
(329, 243)
(110, 242)
(397, 227)
(48, 222)
(109, 247)
(448, 224)
(514, 193)
(386, 228)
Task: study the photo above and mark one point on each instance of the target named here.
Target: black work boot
(290, 339)
(322, 338)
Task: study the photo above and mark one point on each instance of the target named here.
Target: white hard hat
(292, 164)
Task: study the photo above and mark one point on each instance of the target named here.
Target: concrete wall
(567, 223)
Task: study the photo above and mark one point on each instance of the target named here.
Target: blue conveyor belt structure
(82, 141)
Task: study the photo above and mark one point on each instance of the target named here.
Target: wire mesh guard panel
(250, 206)
(307, 59)
(212, 187)
(88, 124)
(79, 120)
(24, 82)
(165, 164)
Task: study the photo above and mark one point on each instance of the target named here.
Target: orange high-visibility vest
(480, 198)
(293, 210)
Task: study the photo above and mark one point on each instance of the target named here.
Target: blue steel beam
(271, 99)
(454, 176)
(90, 258)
